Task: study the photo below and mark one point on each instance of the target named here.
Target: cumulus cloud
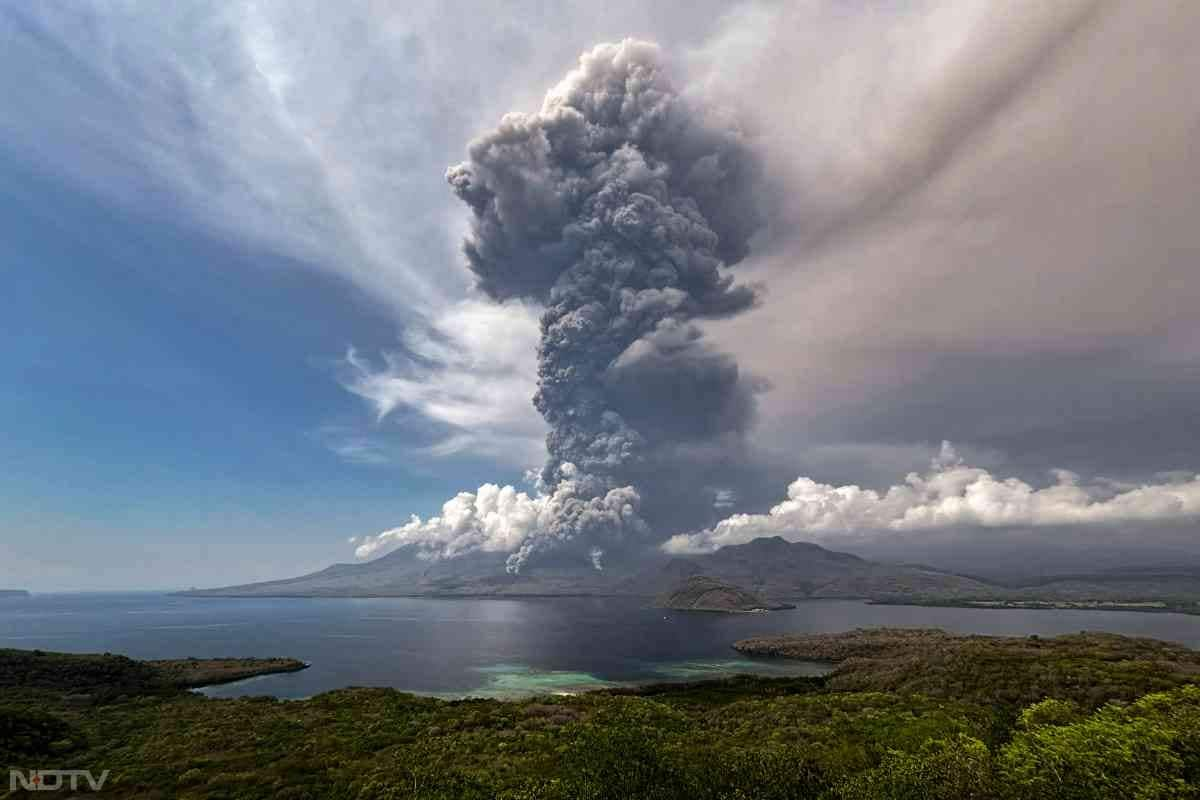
(503, 520)
(950, 495)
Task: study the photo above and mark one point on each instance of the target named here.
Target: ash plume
(616, 207)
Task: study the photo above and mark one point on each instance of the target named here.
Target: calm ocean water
(488, 647)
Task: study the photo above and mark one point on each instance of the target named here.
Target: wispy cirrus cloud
(472, 372)
(279, 125)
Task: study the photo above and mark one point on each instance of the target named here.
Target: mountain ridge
(771, 567)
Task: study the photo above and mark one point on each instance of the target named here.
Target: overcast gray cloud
(980, 228)
(1030, 284)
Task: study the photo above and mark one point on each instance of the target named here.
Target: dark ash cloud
(617, 207)
(982, 228)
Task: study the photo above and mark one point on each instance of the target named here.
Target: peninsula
(96, 676)
(904, 713)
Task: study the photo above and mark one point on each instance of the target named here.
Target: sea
(491, 647)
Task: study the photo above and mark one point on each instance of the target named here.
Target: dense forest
(904, 714)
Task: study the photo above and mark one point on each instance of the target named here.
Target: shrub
(1107, 755)
(958, 768)
(27, 733)
(1049, 712)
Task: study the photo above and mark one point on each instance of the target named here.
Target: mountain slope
(402, 573)
(701, 593)
(771, 567)
(782, 570)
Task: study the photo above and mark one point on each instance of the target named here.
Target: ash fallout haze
(571, 287)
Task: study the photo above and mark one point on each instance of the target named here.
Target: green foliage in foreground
(745, 739)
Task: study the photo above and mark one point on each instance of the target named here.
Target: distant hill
(771, 567)
(779, 569)
(402, 573)
(701, 593)
(13, 593)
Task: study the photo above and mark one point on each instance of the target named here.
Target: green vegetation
(191, 672)
(1001, 673)
(701, 593)
(905, 715)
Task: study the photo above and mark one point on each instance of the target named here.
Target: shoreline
(790, 603)
(1138, 606)
(209, 672)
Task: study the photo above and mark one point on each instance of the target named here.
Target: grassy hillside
(904, 715)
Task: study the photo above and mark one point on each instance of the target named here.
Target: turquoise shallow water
(490, 648)
(517, 680)
(509, 681)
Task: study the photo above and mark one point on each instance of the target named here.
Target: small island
(701, 593)
(13, 593)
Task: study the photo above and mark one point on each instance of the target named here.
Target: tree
(957, 768)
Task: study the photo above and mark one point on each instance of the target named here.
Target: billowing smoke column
(616, 207)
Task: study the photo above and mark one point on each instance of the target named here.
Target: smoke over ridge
(615, 207)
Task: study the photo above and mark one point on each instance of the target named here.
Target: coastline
(201, 673)
(1141, 607)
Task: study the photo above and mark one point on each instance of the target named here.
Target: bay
(491, 647)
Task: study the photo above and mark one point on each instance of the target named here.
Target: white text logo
(51, 780)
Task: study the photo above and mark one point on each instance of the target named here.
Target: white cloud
(492, 519)
(950, 495)
(353, 447)
(320, 136)
(473, 369)
(497, 519)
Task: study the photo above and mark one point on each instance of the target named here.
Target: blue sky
(165, 401)
(204, 210)
(238, 331)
